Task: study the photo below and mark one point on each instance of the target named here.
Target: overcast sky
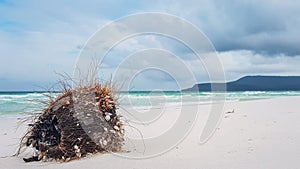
(39, 38)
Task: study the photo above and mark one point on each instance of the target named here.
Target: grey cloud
(269, 27)
(258, 26)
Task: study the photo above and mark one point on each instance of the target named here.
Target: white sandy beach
(259, 134)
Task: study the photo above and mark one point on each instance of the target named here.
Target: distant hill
(254, 83)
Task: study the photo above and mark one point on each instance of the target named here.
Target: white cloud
(43, 37)
(239, 63)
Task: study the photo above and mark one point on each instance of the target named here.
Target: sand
(259, 134)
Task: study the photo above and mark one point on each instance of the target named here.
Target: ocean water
(19, 103)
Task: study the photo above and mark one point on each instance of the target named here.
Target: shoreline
(167, 105)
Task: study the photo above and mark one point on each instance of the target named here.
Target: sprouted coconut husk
(78, 122)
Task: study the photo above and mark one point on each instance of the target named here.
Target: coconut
(78, 122)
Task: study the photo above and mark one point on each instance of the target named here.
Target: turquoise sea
(19, 103)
